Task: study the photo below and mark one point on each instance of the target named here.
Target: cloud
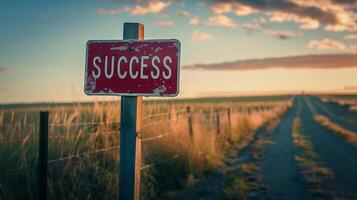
(304, 22)
(184, 13)
(164, 23)
(255, 25)
(250, 26)
(150, 7)
(235, 7)
(326, 44)
(347, 2)
(194, 21)
(353, 48)
(328, 61)
(351, 37)
(153, 7)
(221, 20)
(112, 11)
(283, 35)
(198, 36)
(260, 20)
(336, 15)
(350, 87)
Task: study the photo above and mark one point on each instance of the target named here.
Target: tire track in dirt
(338, 156)
(280, 171)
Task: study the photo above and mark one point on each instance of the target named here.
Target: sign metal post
(130, 141)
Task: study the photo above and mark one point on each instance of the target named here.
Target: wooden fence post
(2, 126)
(218, 123)
(130, 141)
(229, 117)
(190, 129)
(42, 157)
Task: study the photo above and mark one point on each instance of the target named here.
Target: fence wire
(17, 170)
(156, 137)
(177, 155)
(163, 114)
(33, 138)
(93, 123)
(88, 153)
(81, 124)
(79, 155)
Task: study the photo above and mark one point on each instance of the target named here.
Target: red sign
(133, 68)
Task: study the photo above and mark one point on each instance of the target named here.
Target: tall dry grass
(349, 136)
(351, 103)
(84, 139)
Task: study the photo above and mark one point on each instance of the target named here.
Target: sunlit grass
(350, 101)
(349, 136)
(78, 170)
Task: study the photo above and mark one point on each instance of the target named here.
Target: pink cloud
(234, 7)
(350, 87)
(112, 11)
(254, 25)
(198, 36)
(150, 7)
(326, 44)
(304, 22)
(328, 61)
(351, 37)
(334, 15)
(221, 20)
(194, 21)
(251, 26)
(164, 23)
(153, 7)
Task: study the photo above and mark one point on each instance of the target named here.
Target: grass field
(289, 147)
(83, 144)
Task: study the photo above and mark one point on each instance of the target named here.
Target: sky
(42, 45)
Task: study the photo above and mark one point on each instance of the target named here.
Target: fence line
(155, 137)
(177, 155)
(19, 169)
(84, 134)
(191, 114)
(17, 125)
(76, 156)
(3, 142)
(79, 155)
(187, 111)
(91, 123)
(163, 114)
(156, 122)
(16, 170)
(80, 123)
(31, 138)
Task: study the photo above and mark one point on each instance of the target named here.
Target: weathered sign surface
(132, 67)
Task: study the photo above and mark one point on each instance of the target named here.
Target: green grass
(340, 96)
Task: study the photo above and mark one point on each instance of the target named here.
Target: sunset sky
(42, 48)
